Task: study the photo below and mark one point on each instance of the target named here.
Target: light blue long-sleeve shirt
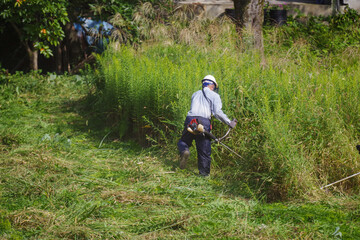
(201, 107)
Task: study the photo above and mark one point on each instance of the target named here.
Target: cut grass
(56, 183)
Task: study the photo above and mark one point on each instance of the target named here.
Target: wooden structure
(214, 8)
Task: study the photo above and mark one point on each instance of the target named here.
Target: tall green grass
(298, 116)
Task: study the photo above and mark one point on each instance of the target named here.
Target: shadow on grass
(78, 117)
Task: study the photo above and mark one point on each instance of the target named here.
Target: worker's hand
(233, 123)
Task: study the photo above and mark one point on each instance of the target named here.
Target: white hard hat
(210, 78)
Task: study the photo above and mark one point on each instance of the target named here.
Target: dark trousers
(203, 144)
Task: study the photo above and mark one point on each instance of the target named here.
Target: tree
(41, 24)
(38, 23)
(249, 15)
(104, 10)
(335, 5)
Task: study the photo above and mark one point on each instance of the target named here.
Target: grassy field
(68, 169)
(62, 176)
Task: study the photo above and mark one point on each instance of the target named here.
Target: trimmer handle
(210, 135)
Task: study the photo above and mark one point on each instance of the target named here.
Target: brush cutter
(196, 128)
(358, 148)
(340, 180)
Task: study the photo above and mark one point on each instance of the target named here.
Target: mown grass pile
(298, 116)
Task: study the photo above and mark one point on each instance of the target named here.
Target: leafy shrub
(325, 35)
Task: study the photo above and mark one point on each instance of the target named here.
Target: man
(204, 104)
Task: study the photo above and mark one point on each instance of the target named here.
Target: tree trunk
(66, 46)
(240, 7)
(33, 54)
(255, 22)
(249, 15)
(335, 5)
(59, 59)
(67, 66)
(33, 57)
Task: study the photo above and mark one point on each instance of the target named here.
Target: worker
(204, 104)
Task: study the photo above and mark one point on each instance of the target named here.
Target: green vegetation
(60, 179)
(39, 24)
(324, 35)
(298, 116)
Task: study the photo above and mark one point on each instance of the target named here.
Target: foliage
(324, 35)
(131, 24)
(39, 22)
(119, 13)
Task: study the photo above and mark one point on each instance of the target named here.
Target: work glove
(233, 123)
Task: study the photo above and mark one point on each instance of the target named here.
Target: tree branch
(19, 33)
